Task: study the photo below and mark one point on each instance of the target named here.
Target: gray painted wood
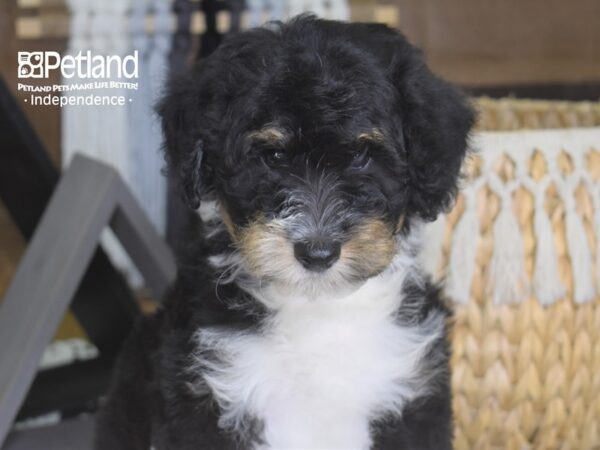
(145, 247)
(89, 196)
(71, 434)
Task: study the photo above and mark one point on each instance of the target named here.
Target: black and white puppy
(313, 150)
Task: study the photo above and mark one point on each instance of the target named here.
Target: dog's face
(310, 203)
(321, 142)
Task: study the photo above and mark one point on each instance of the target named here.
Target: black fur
(324, 83)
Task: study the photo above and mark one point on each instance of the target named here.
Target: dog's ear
(190, 113)
(436, 126)
(435, 119)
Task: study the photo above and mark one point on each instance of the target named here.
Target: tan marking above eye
(269, 135)
(375, 135)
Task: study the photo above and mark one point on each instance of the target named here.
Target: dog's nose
(317, 256)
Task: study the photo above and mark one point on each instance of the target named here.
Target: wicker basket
(526, 342)
(509, 114)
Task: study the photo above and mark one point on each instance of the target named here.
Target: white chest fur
(320, 371)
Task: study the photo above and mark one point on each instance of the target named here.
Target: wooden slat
(47, 277)
(27, 179)
(89, 196)
(73, 434)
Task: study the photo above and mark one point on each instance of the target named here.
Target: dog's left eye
(273, 156)
(360, 159)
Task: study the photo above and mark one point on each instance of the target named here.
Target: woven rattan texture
(511, 114)
(527, 375)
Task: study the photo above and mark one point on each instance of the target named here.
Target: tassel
(462, 252)
(507, 280)
(433, 239)
(595, 193)
(597, 228)
(546, 278)
(579, 253)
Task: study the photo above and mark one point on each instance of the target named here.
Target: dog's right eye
(360, 159)
(273, 156)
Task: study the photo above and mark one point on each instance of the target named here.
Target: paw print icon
(31, 64)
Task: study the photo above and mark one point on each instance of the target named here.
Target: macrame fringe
(581, 257)
(597, 227)
(507, 283)
(433, 239)
(546, 278)
(462, 253)
(596, 203)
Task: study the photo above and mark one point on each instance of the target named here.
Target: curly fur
(306, 132)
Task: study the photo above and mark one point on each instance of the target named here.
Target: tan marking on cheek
(375, 135)
(371, 249)
(263, 246)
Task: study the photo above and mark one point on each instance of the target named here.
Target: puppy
(313, 151)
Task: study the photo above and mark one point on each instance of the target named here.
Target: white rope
(433, 239)
(462, 251)
(595, 192)
(546, 277)
(507, 281)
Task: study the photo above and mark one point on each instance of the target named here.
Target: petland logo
(83, 65)
(88, 79)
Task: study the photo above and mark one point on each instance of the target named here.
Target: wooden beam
(90, 196)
